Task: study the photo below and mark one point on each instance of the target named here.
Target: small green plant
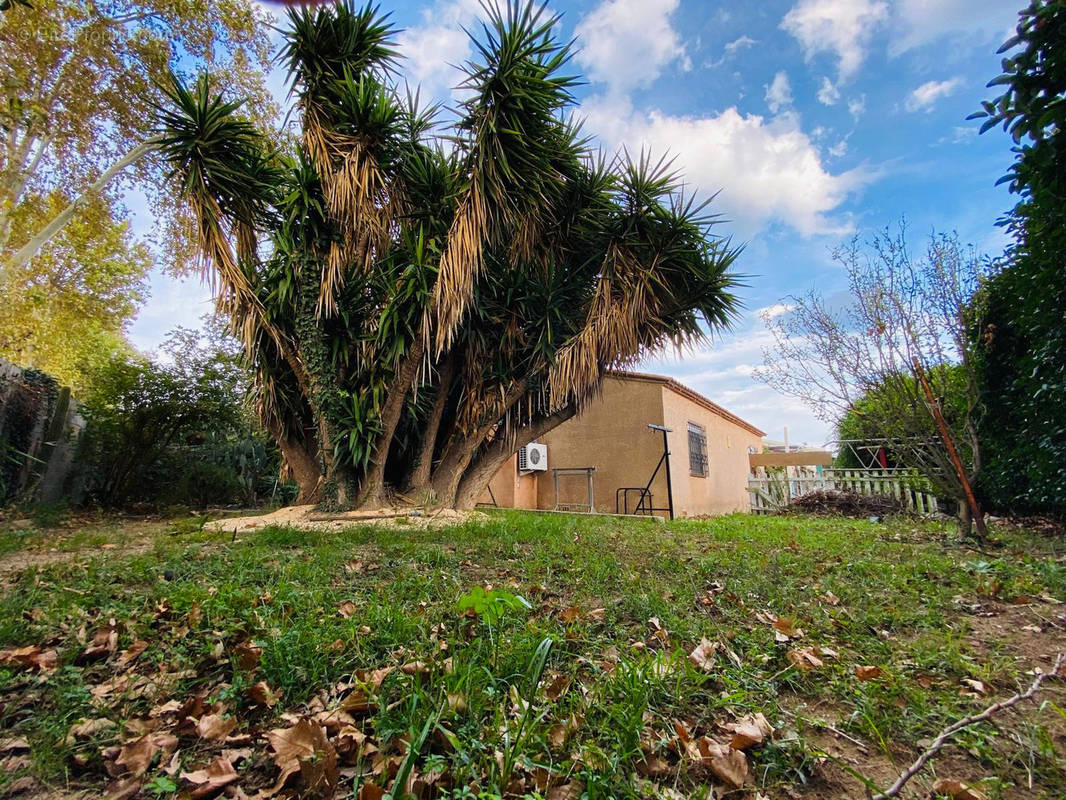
(492, 605)
(161, 785)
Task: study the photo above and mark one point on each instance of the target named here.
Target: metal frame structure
(589, 507)
(645, 505)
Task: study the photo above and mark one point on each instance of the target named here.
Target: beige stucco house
(610, 449)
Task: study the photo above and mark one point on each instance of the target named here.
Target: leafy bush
(176, 430)
(1022, 359)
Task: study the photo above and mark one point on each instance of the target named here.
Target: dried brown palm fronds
(459, 267)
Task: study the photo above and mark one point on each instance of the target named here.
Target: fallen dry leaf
(598, 614)
(561, 731)
(369, 791)
(456, 702)
(137, 756)
(215, 728)
(123, 789)
(373, 678)
(570, 615)
(557, 688)
(653, 766)
(15, 745)
(131, 653)
(566, 791)
(786, 627)
(248, 654)
(30, 656)
(262, 695)
(347, 609)
(105, 642)
(957, 790)
(728, 765)
(304, 749)
(749, 731)
(350, 743)
(703, 654)
(980, 687)
(212, 778)
(804, 658)
(867, 672)
(356, 702)
(89, 727)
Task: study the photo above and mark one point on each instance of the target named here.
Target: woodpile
(831, 502)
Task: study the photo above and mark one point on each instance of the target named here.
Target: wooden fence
(773, 491)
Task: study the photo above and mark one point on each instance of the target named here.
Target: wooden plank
(804, 458)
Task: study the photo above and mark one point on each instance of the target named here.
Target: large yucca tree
(418, 304)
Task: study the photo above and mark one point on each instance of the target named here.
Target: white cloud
(739, 44)
(828, 93)
(925, 96)
(627, 43)
(768, 171)
(839, 149)
(433, 50)
(775, 310)
(731, 49)
(841, 27)
(857, 106)
(722, 371)
(779, 93)
(921, 22)
(960, 134)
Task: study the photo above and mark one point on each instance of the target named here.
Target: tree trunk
(459, 451)
(373, 492)
(305, 470)
(300, 462)
(965, 520)
(458, 454)
(478, 475)
(29, 250)
(982, 529)
(419, 478)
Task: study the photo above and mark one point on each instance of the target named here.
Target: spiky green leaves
(323, 43)
(216, 153)
(514, 140)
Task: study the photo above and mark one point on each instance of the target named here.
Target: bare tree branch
(955, 727)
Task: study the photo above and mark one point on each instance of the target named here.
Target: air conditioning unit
(533, 458)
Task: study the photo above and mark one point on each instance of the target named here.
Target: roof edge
(691, 394)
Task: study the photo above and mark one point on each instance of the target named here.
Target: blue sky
(815, 120)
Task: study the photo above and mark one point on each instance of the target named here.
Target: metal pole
(669, 485)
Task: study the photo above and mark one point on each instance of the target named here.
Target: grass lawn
(298, 664)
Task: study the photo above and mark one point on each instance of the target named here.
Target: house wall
(612, 435)
(510, 489)
(503, 485)
(725, 488)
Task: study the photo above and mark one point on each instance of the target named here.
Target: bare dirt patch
(71, 542)
(1033, 633)
(308, 518)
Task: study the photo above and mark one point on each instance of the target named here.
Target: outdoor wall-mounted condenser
(533, 458)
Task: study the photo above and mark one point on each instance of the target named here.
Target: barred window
(697, 451)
